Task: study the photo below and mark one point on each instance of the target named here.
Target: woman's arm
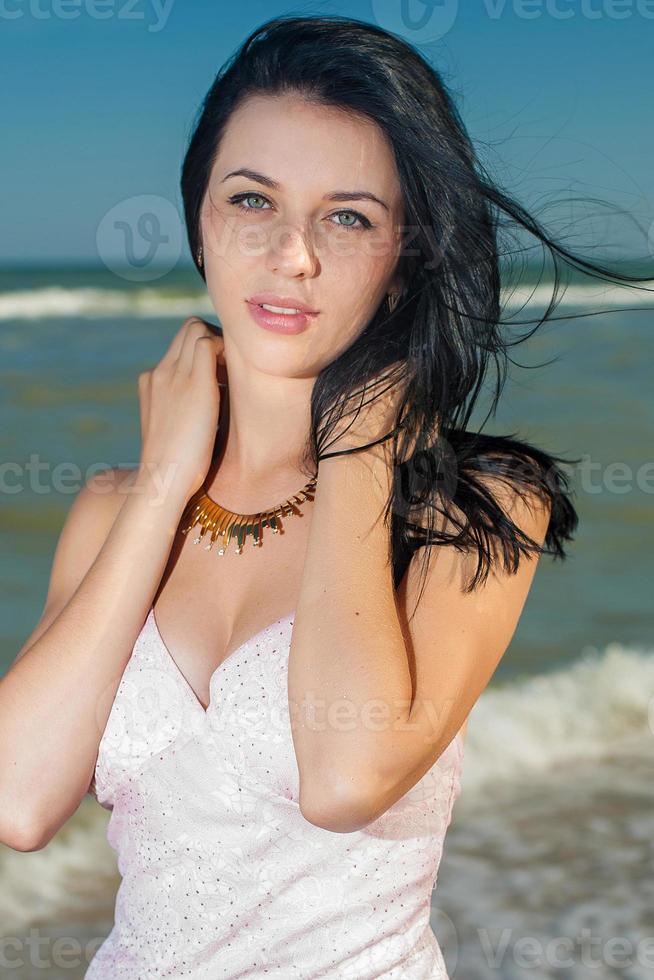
(56, 697)
(364, 729)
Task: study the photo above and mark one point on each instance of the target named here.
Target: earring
(393, 300)
(200, 256)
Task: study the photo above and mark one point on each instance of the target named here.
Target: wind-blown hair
(437, 345)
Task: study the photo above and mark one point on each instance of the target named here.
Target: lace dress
(222, 877)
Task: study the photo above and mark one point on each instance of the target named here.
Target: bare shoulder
(90, 518)
(88, 521)
(85, 529)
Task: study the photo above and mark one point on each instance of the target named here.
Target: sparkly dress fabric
(222, 877)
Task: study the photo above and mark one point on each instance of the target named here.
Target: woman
(279, 732)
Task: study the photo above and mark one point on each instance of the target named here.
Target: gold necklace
(202, 509)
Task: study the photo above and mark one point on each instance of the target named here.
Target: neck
(260, 444)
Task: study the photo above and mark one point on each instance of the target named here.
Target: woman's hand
(180, 404)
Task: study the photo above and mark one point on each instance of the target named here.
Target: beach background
(548, 868)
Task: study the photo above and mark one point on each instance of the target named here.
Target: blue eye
(242, 197)
(354, 214)
(236, 199)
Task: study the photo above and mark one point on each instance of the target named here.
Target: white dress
(222, 877)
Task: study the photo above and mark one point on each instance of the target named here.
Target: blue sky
(98, 98)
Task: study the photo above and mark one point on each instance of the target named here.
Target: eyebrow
(334, 196)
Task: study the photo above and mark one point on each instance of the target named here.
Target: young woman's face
(336, 256)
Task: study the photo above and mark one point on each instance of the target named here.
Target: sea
(548, 867)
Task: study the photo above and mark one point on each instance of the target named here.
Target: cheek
(349, 304)
(215, 232)
(360, 285)
(368, 250)
(231, 263)
(363, 266)
(229, 241)
(226, 287)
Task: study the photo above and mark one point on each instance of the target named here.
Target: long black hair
(437, 344)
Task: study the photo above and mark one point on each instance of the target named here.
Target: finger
(203, 358)
(197, 331)
(192, 327)
(174, 348)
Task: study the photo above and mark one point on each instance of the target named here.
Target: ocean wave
(93, 303)
(147, 302)
(585, 711)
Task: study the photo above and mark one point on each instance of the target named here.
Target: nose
(292, 252)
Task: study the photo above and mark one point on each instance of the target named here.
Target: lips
(286, 302)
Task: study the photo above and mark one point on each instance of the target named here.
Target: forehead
(303, 145)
